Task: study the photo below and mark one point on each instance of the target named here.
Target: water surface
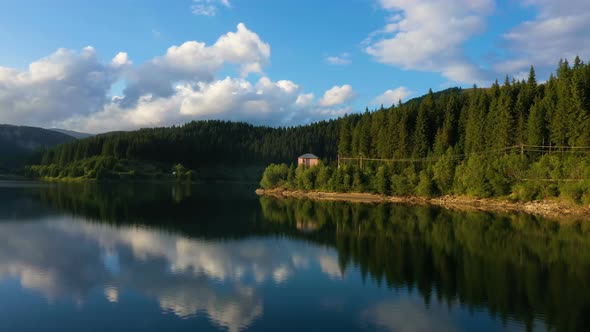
(85, 257)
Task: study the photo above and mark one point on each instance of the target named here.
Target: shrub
(274, 176)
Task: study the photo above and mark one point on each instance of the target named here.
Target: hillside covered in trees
(196, 146)
(518, 138)
(19, 143)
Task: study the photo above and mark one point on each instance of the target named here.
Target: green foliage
(382, 181)
(470, 177)
(274, 176)
(425, 186)
(183, 174)
(201, 143)
(444, 172)
(404, 184)
(324, 174)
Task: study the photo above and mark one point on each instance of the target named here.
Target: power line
(454, 157)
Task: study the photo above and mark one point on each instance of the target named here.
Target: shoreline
(553, 209)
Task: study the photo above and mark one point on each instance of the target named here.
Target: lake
(154, 257)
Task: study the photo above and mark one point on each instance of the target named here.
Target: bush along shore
(554, 199)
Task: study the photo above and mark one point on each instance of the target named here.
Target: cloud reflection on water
(65, 258)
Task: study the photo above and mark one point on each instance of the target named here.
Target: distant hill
(18, 144)
(72, 133)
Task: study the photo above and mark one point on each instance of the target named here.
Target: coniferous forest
(193, 146)
(517, 138)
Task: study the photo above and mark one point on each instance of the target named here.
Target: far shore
(554, 209)
(12, 177)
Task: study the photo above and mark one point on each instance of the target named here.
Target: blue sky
(125, 64)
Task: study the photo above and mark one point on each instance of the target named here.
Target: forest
(519, 139)
(19, 145)
(196, 147)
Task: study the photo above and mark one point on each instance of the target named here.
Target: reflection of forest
(514, 266)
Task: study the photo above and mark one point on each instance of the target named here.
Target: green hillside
(18, 144)
(519, 139)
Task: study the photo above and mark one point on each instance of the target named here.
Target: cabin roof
(309, 156)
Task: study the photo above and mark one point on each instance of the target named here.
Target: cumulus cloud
(559, 30)
(54, 88)
(70, 89)
(342, 59)
(264, 102)
(194, 61)
(391, 97)
(337, 95)
(208, 7)
(428, 35)
(121, 59)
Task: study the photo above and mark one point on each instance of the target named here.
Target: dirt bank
(548, 208)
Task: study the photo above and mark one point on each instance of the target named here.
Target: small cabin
(308, 160)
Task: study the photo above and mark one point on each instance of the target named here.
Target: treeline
(556, 113)
(521, 138)
(194, 145)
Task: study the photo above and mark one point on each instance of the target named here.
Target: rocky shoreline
(554, 209)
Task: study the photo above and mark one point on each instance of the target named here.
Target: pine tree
(421, 144)
(536, 125)
(345, 141)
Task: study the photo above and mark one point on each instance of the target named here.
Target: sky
(98, 66)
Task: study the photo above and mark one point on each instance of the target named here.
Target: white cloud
(305, 100)
(559, 30)
(428, 35)
(194, 61)
(265, 102)
(121, 59)
(342, 59)
(208, 7)
(71, 90)
(54, 88)
(337, 95)
(391, 97)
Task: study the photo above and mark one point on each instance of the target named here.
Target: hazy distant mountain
(72, 133)
(18, 143)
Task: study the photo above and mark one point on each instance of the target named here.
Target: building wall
(307, 162)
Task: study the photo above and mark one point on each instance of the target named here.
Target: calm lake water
(219, 258)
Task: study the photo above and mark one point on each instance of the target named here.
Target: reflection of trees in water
(221, 211)
(516, 266)
(17, 201)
